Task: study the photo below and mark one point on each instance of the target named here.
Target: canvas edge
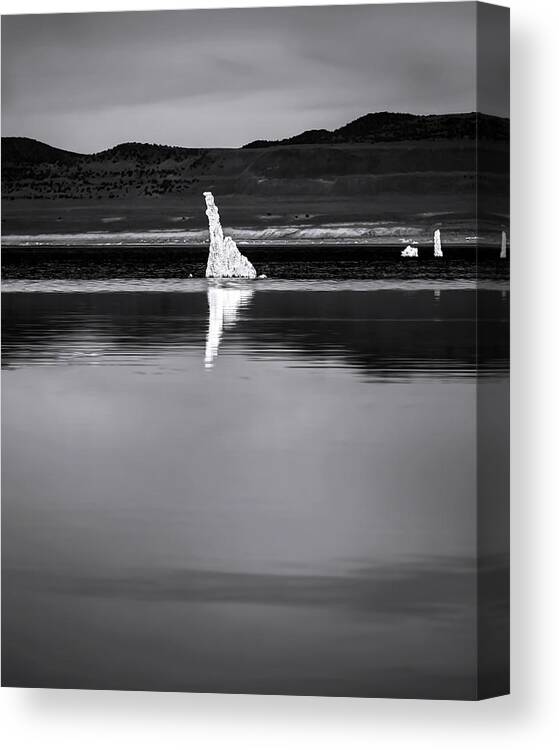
(492, 404)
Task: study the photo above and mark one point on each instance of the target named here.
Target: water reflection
(377, 333)
(224, 305)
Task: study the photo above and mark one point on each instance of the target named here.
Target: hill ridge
(373, 127)
(379, 127)
(435, 154)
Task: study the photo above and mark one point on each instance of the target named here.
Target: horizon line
(234, 148)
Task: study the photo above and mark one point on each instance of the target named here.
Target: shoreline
(162, 239)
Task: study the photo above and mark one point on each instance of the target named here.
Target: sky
(222, 78)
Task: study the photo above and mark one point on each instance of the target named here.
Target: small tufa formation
(409, 252)
(437, 244)
(224, 259)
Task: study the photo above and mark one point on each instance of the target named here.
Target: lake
(260, 487)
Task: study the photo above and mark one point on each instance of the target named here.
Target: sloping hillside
(139, 186)
(27, 151)
(142, 170)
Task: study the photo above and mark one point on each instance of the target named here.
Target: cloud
(87, 81)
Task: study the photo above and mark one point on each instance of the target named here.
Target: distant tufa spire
(503, 244)
(437, 244)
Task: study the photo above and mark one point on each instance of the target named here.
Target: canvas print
(255, 350)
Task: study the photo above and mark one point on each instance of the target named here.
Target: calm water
(281, 262)
(245, 488)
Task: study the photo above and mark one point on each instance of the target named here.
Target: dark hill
(17, 152)
(378, 127)
(385, 127)
(30, 151)
(383, 160)
(146, 153)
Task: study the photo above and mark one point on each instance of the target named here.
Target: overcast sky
(224, 77)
